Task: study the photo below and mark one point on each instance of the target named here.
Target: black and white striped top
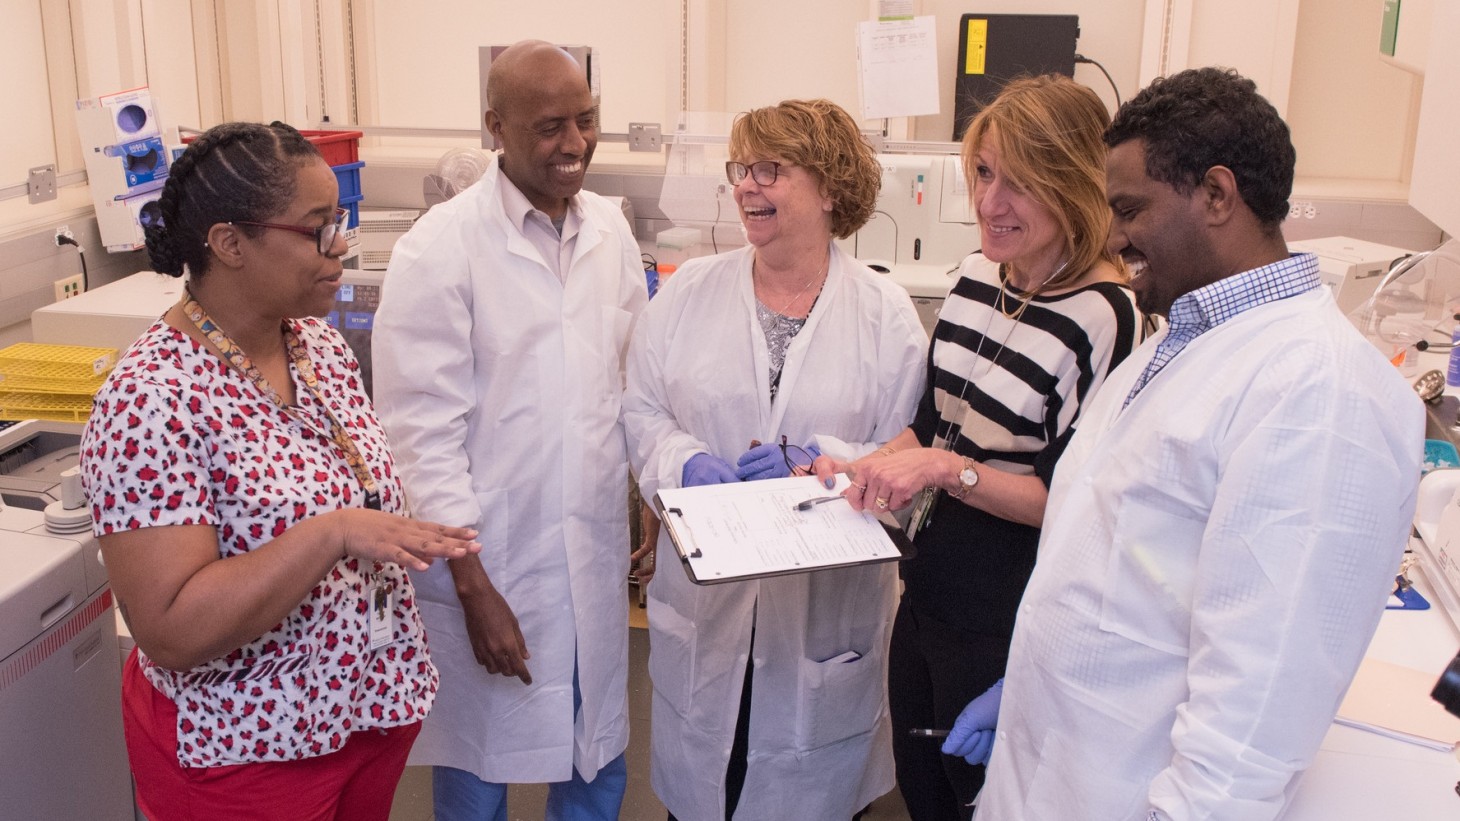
(1004, 389)
(1005, 392)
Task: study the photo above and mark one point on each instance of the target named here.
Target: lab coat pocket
(1066, 784)
(671, 655)
(841, 697)
(1150, 574)
(614, 347)
(435, 585)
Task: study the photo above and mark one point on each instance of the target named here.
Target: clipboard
(752, 530)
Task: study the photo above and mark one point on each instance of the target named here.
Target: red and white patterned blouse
(177, 437)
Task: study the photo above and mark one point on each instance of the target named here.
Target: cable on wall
(1080, 58)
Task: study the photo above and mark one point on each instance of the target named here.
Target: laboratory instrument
(60, 675)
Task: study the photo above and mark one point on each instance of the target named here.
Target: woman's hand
(386, 537)
(826, 468)
(884, 481)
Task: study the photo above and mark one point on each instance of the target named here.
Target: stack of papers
(1394, 701)
(746, 530)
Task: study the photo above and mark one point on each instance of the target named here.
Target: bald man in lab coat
(498, 352)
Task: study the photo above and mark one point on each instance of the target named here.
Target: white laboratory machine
(1350, 268)
(114, 315)
(922, 229)
(62, 754)
(111, 316)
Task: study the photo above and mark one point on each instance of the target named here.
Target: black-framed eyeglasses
(798, 461)
(763, 172)
(324, 235)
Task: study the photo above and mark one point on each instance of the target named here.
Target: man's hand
(496, 640)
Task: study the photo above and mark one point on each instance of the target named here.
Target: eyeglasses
(763, 172)
(798, 461)
(324, 235)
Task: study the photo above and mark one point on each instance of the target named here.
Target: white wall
(422, 57)
(25, 96)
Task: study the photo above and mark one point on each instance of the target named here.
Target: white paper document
(898, 68)
(751, 529)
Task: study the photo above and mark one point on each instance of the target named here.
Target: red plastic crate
(337, 147)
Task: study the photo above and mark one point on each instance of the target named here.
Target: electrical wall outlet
(1302, 209)
(645, 137)
(64, 231)
(68, 287)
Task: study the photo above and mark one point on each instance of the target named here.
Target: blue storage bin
(348, 176)
(353, 206)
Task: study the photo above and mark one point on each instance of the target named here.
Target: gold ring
(881, 502)
(859, 487)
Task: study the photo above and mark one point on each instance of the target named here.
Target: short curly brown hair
(821, 137)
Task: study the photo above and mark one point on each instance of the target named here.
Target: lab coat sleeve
(901, 374)
(658, 448)
(424, 373)
(1315, 491)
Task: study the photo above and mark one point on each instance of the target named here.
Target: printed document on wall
(897, 68)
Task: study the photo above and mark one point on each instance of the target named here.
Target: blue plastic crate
(348, 176)
(353, 206)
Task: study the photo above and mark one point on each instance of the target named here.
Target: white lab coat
(698, 381)
(500, 387)
(1214, 561)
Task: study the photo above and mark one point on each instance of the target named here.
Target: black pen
(924, 732)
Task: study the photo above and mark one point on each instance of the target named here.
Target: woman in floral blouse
(249, 513)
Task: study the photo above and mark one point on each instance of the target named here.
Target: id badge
(382, 619)
(922, 512)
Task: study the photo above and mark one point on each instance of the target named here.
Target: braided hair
(233, 172)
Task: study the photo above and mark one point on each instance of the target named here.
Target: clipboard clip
(695, 553)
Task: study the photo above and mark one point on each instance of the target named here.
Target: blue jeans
(457, 795)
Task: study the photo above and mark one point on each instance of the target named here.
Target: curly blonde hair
(821, 137)
(1050, 132)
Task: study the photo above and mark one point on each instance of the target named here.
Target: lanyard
(240, 362)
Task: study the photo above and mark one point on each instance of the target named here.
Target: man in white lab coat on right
(1226, 523)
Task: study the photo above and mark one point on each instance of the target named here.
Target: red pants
(355, 782)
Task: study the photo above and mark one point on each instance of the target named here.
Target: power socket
(1301, 209)
(68, 287)
(65, 231)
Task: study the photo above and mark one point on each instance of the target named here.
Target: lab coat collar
(795, 354)
(514, 207)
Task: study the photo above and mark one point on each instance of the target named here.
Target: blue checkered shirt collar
(1197, 312)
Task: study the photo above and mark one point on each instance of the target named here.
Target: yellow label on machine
(978, 47)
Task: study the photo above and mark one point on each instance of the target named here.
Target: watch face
(969, 477)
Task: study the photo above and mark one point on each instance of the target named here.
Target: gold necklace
(1018, 312)
(800, 293)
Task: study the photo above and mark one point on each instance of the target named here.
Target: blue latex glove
(972, 736)
(769, 461)
(704, 469)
